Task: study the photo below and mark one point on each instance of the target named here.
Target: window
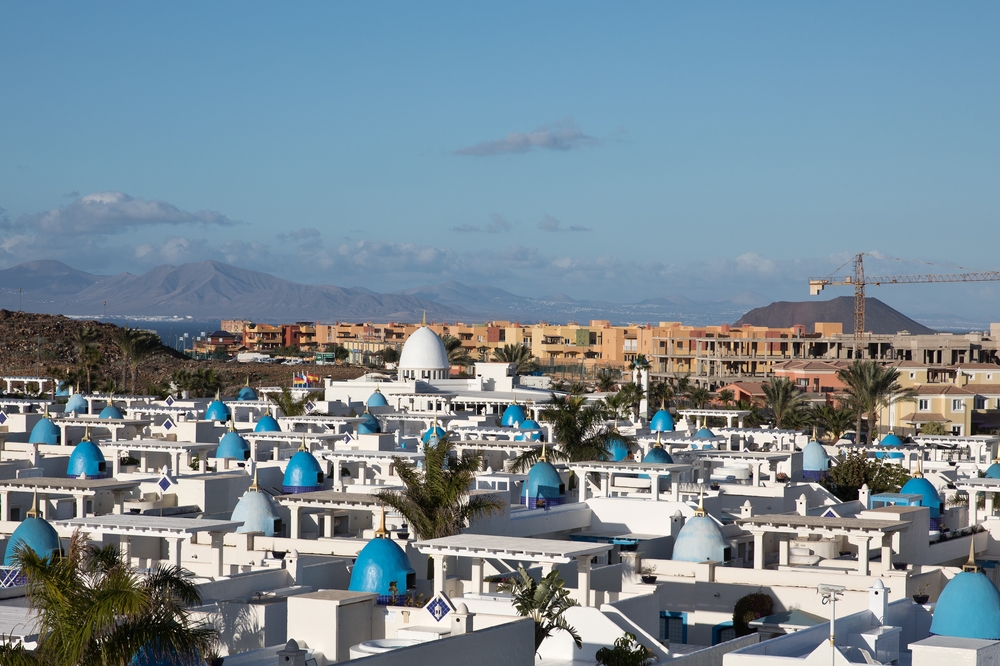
(956, 430)
(913, 375)
(957, 405)
(924, 405)
(723, 632)
(673, 627)
(980, 402)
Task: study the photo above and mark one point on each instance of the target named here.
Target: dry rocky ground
(32, 343)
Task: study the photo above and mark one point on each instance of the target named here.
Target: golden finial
(380, 531)
(232, 423)
(424, 321)
(46, 414)
(218, 394)
(255, 487)
(658, 445)
(971, 566)
(302, 447)
(33, 511)
(86, 433)
(920, 473)
(542, 457)
(700, 511)
(248, 380)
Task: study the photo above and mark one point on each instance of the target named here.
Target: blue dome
(217, 411)
(77, 404)
(246, 393)
(658, 454)
(257, 512)
(376, 399)
(708, 447)
(111, 412)
(427, 435)
(992, 472)
(36, 534)
(380, 563)
(700, 540)
(232, 445)
(303, 474)
(62, 390)
(617, 449)
(968, 607)
(921, 486)
(704, 433)
(44, 432)
(513, 414)
(529, 424)
(86, 459)
(890, 440)
(543, 483)
(267, 423)
(662, 421)
(369, 426)
(897, 455)
(814, 458)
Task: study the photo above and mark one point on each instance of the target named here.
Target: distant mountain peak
(879, 317)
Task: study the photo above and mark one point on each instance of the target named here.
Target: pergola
(108, 398)
(115, 426)
(479, 547)
(10, 381)
(340, 425)
(175, 450)
(989, 487)
(277, 439)
(381, 459)
(174, 530)
(79, 489)
(701, 415)
(499, 434)
(859, 532)
(24, 405)
(757, 460)
(326, 502)
(608, 470)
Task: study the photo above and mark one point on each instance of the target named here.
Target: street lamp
(830, 595)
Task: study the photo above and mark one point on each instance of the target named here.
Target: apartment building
(262, 337)
(301, 334)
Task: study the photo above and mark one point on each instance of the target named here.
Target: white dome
(424, 356)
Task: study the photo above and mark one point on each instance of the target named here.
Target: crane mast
(859, 281)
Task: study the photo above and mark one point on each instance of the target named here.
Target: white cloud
(563, 135)
(553, 225)
(107, 213)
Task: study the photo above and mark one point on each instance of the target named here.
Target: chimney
(864, 496)
(291, 655)
(802, 506)
(878, 600)
(746, 511)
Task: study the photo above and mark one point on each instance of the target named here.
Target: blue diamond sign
(3, 418)
(164, 483)
(169, 401)
(168, 424)
(310, 406)
(438, 608)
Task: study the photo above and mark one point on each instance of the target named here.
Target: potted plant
(899, 566)
(921, 597)
(212, 657)
(648, 574)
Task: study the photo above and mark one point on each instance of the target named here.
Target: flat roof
(130, 523)
(978, 483)
(55, 484)
(156, 445)
(515, 548)
(598, 466)
(794, 520)
(331, 498)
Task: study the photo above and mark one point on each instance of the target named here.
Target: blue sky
(598, 150)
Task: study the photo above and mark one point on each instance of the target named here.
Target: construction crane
(859, 281)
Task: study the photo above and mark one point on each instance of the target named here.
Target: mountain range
(213, 290)
(879, 317)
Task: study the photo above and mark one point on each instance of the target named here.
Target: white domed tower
(424, 357)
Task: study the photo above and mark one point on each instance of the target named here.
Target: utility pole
(19, 292)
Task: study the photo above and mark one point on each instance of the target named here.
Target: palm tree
(606, 379)
(726, 397)
(581, 432)
(544, 602)
(519, 355)
(632, 395)
(784, 399)
(146, 345)
(681, 386)
(125, 340)
(699, 396)
(872, 386)
(200, 384)
(458, 355)
(288, 405)
(834, 420)
(639, 365)
(934, 428)
(435, 500)
(94, 609)
(661, 392)
(87, 354)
